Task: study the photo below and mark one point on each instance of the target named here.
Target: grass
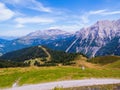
(103, 60)
(82, 61)
(114, 64)
(33, 75)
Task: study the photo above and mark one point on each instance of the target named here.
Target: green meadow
(34, 75)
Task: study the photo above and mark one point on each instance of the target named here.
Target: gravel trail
(66, 84)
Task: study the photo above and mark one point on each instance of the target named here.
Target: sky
(20, 17)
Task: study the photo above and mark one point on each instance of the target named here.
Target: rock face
(40, 37)
(103, 38)
(53, 38)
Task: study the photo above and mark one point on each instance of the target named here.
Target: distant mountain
(8, 37)
(3, 44)
(53, 38)
(102, 38)
(43, 37)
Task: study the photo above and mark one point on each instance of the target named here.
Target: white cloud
(16, 33)
(39, 6)
(97, 12)
(19, 25)
(5, 13)
(31, 4)
(32, 20)
(104, 12)
(71, 28)
(85, 17)
(111, 13)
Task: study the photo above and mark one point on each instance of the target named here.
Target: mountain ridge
(99, 39)
(95, 37)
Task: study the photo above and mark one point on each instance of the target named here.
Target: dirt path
(44, 49)
(66, 84)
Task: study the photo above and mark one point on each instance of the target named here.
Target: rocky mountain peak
(49, 32)
(93, 38)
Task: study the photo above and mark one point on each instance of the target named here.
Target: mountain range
(100, 39)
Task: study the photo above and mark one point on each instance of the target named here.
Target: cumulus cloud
(5, 13)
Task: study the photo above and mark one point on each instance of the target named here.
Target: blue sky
(20, 17)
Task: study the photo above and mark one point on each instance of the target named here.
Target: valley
(55, 55)
(59, 44)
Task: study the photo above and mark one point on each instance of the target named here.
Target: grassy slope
(107, 61)
(103, 60)
(114, 65)
(32, 75)
(82, 61)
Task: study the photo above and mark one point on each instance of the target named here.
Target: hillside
(24, 54)
(107, 61)
(40, 56)
(114, 64)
